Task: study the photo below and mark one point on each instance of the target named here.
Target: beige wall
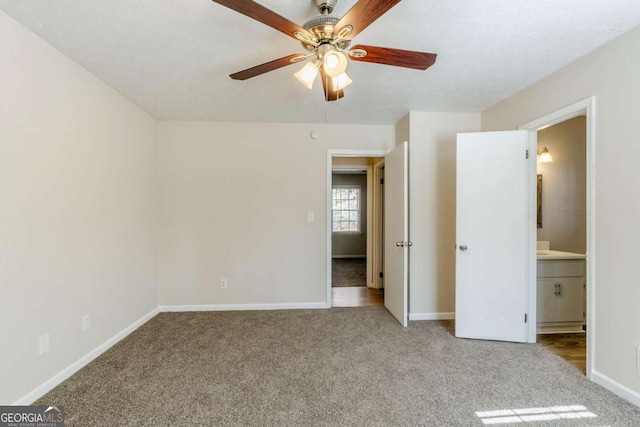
(234, 199)
(611, 74)
(77, 212)
(432, 208)
(86, 230)
(402, 129)
(352, 244)
(564, 186)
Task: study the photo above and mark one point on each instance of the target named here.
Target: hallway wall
(352, 245)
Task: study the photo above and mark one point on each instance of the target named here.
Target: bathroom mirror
(539, 200)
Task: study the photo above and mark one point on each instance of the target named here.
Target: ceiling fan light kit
(341, 81)
(308, 73)
(335, 63)
(327, 39)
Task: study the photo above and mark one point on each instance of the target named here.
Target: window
(346, 209)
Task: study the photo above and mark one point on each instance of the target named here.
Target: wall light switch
(311, 217)
(43, 344)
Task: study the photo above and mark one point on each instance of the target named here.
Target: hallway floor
(356, 296)
(348, 272)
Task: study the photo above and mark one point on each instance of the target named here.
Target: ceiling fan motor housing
(322, 28)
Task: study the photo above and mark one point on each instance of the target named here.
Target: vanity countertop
(551, 254)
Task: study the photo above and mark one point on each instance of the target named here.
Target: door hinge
(381, 275)
(525, 318)
(527, 155)
(381, 181)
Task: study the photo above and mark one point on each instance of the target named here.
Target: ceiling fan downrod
(325, 7)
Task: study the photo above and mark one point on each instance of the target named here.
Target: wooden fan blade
(264, 15)
(264, 68)
(330, 94)
(396, 57)
(363, 13)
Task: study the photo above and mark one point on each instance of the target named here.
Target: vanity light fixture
(544, 156)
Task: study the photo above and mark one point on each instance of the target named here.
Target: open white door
(396, 232)
(493, 235)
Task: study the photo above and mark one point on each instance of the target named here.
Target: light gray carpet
(348, 272)
(337, 367)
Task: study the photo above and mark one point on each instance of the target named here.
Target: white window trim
(359, 220)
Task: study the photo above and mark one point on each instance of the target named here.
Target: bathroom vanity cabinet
(561, 292)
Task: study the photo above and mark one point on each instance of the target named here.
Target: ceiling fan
(327, 38)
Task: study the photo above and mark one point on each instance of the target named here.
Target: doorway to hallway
(355, 228)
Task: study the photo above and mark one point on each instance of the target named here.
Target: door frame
(586, 106)
(331, 153)
(377, 231)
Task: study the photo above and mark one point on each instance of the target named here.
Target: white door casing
(331, 153)
(586, 107)
(493, 244)
(396, 233)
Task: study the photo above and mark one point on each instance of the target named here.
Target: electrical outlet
(43, 344)
(311, 217)
(223, 283)
(86, 323)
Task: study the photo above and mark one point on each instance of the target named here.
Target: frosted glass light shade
(307, 74)
(335, 63)
(545, 156)
(341, 81)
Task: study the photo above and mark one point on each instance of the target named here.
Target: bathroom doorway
(565, 231)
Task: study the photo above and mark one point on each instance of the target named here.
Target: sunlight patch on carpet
(506, 416)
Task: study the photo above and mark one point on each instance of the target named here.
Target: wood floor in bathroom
(571, 347)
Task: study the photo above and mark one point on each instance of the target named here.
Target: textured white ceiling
(173, 57)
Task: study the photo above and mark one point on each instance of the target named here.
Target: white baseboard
(606, 382)
(347, 256)
(432, 316)
(52, 382)
(616, 388)
(243, 307)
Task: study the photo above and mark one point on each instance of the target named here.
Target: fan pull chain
(326, 111)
